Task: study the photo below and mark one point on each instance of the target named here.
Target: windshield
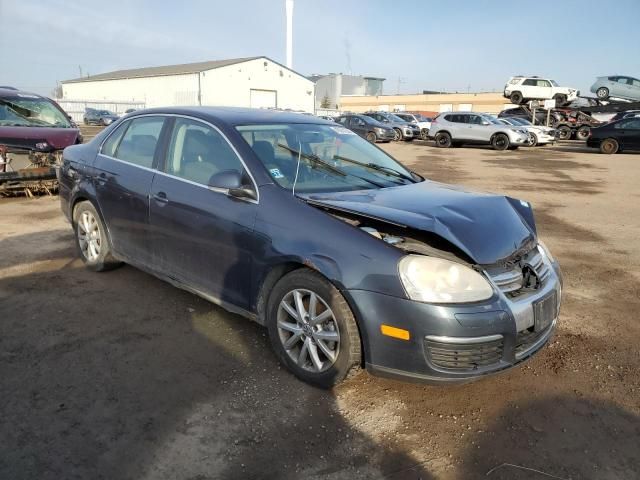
(422, 118)
(520, 121)
(322, 158)
(491, 119)
(394, 118)
(554, 83)
(31, 111)
(105, 112)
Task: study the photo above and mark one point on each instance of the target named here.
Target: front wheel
(516, 97)
(602, 93)
(91, 238)
(443, 140)
(398, 134)
(312, 329)
(424, 134)
(500, 142)
(532, 141)
(609, 146)
(560, 100)
(371, 137)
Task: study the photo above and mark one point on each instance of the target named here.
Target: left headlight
(434, 280)
(545, 251)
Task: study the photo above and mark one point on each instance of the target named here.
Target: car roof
(237, 115)
(14, 92)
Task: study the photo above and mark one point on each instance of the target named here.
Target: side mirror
(232, 182)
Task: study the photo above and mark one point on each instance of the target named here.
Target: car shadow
(122, 376)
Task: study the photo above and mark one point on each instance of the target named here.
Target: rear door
(202, 236)
(124, 170)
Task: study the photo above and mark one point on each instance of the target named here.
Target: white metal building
(257, 82)
(335, 85)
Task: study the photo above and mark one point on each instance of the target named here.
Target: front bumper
(518, 138)
(453, 343)
(385, 135)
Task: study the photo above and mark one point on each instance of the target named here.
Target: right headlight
(435, 280)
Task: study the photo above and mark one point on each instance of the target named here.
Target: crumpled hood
(27, 137)
(487, 227)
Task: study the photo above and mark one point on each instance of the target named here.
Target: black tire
(102, 260)
(517, 98)
(349, 349)
(409, 139)
(609, 146)
(500, 141)
(443, 140)
(371, 137)
(424, 134)
(602, 93)
(564, 132)
(533, 140)
(399, 135)
(560, 100)
(583, 132)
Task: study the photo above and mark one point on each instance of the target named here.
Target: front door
(124, 170)
(202, 237)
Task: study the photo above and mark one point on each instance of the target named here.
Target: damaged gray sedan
(347, 257)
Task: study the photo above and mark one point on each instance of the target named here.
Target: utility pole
(401, 80)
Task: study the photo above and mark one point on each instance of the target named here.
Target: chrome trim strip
(217, 190)
(464, 340)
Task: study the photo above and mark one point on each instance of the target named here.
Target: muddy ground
(121, 376)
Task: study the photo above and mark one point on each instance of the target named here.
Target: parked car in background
(404, 130)
(521, 89)
(524, 112)
(327, 117)
(617, 86)
(625, 114)
(99, 117)
(345, 256)
(424, 123)
(31, 122)
(459, 128)
(538, 134)
(614, 137)
(367, 127)
(129, 110)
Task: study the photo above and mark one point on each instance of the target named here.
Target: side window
(543, 83)
(110, 145)
(529, 82)
(631, 124)
(622, 80)
(636, 83)
(138, 145)
(197, 151)
(342, 120)
(475, 119)
(449, 118)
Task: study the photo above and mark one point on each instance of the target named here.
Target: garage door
(263, 99)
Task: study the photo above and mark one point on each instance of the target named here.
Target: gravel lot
(121, 376)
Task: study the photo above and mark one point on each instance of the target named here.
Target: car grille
(464, 357)
(526, 339)
(511, 282)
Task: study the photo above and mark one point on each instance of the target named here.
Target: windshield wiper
(318, 161)
(378, 168)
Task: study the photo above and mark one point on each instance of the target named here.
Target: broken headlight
(435, 280)
(544, 250)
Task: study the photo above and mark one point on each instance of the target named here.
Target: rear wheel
(564, 132)
(443, 140)
(371, 137)
(516, 97)
(560, 100)
(500, 142)
(609, 146)
(91, 238)
(583, 132)
(602, 93)
(312, 329)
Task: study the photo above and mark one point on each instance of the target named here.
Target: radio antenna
(295, 180)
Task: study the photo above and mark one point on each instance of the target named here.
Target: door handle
(161, 198)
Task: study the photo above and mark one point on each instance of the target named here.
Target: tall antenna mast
(289, 11)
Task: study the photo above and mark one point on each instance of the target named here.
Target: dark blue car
(346, 256)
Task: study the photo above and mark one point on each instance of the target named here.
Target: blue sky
(445, 45)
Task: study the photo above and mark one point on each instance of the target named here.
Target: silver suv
(455, 129)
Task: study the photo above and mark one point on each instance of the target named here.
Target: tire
(443, 140)
(602, 93)
(92, 242)
(299, 344)
(564, 132)
(583, 132)
(399, 135)
(560, 100)
(371, 137)
(500, 141)
(409, 139)
(609, 146)
(517, 98)
(533, 140)
(424, 134)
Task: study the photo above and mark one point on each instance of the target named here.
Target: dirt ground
(121, 376)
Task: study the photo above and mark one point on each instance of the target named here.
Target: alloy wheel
(308, 330)
(89, 236)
